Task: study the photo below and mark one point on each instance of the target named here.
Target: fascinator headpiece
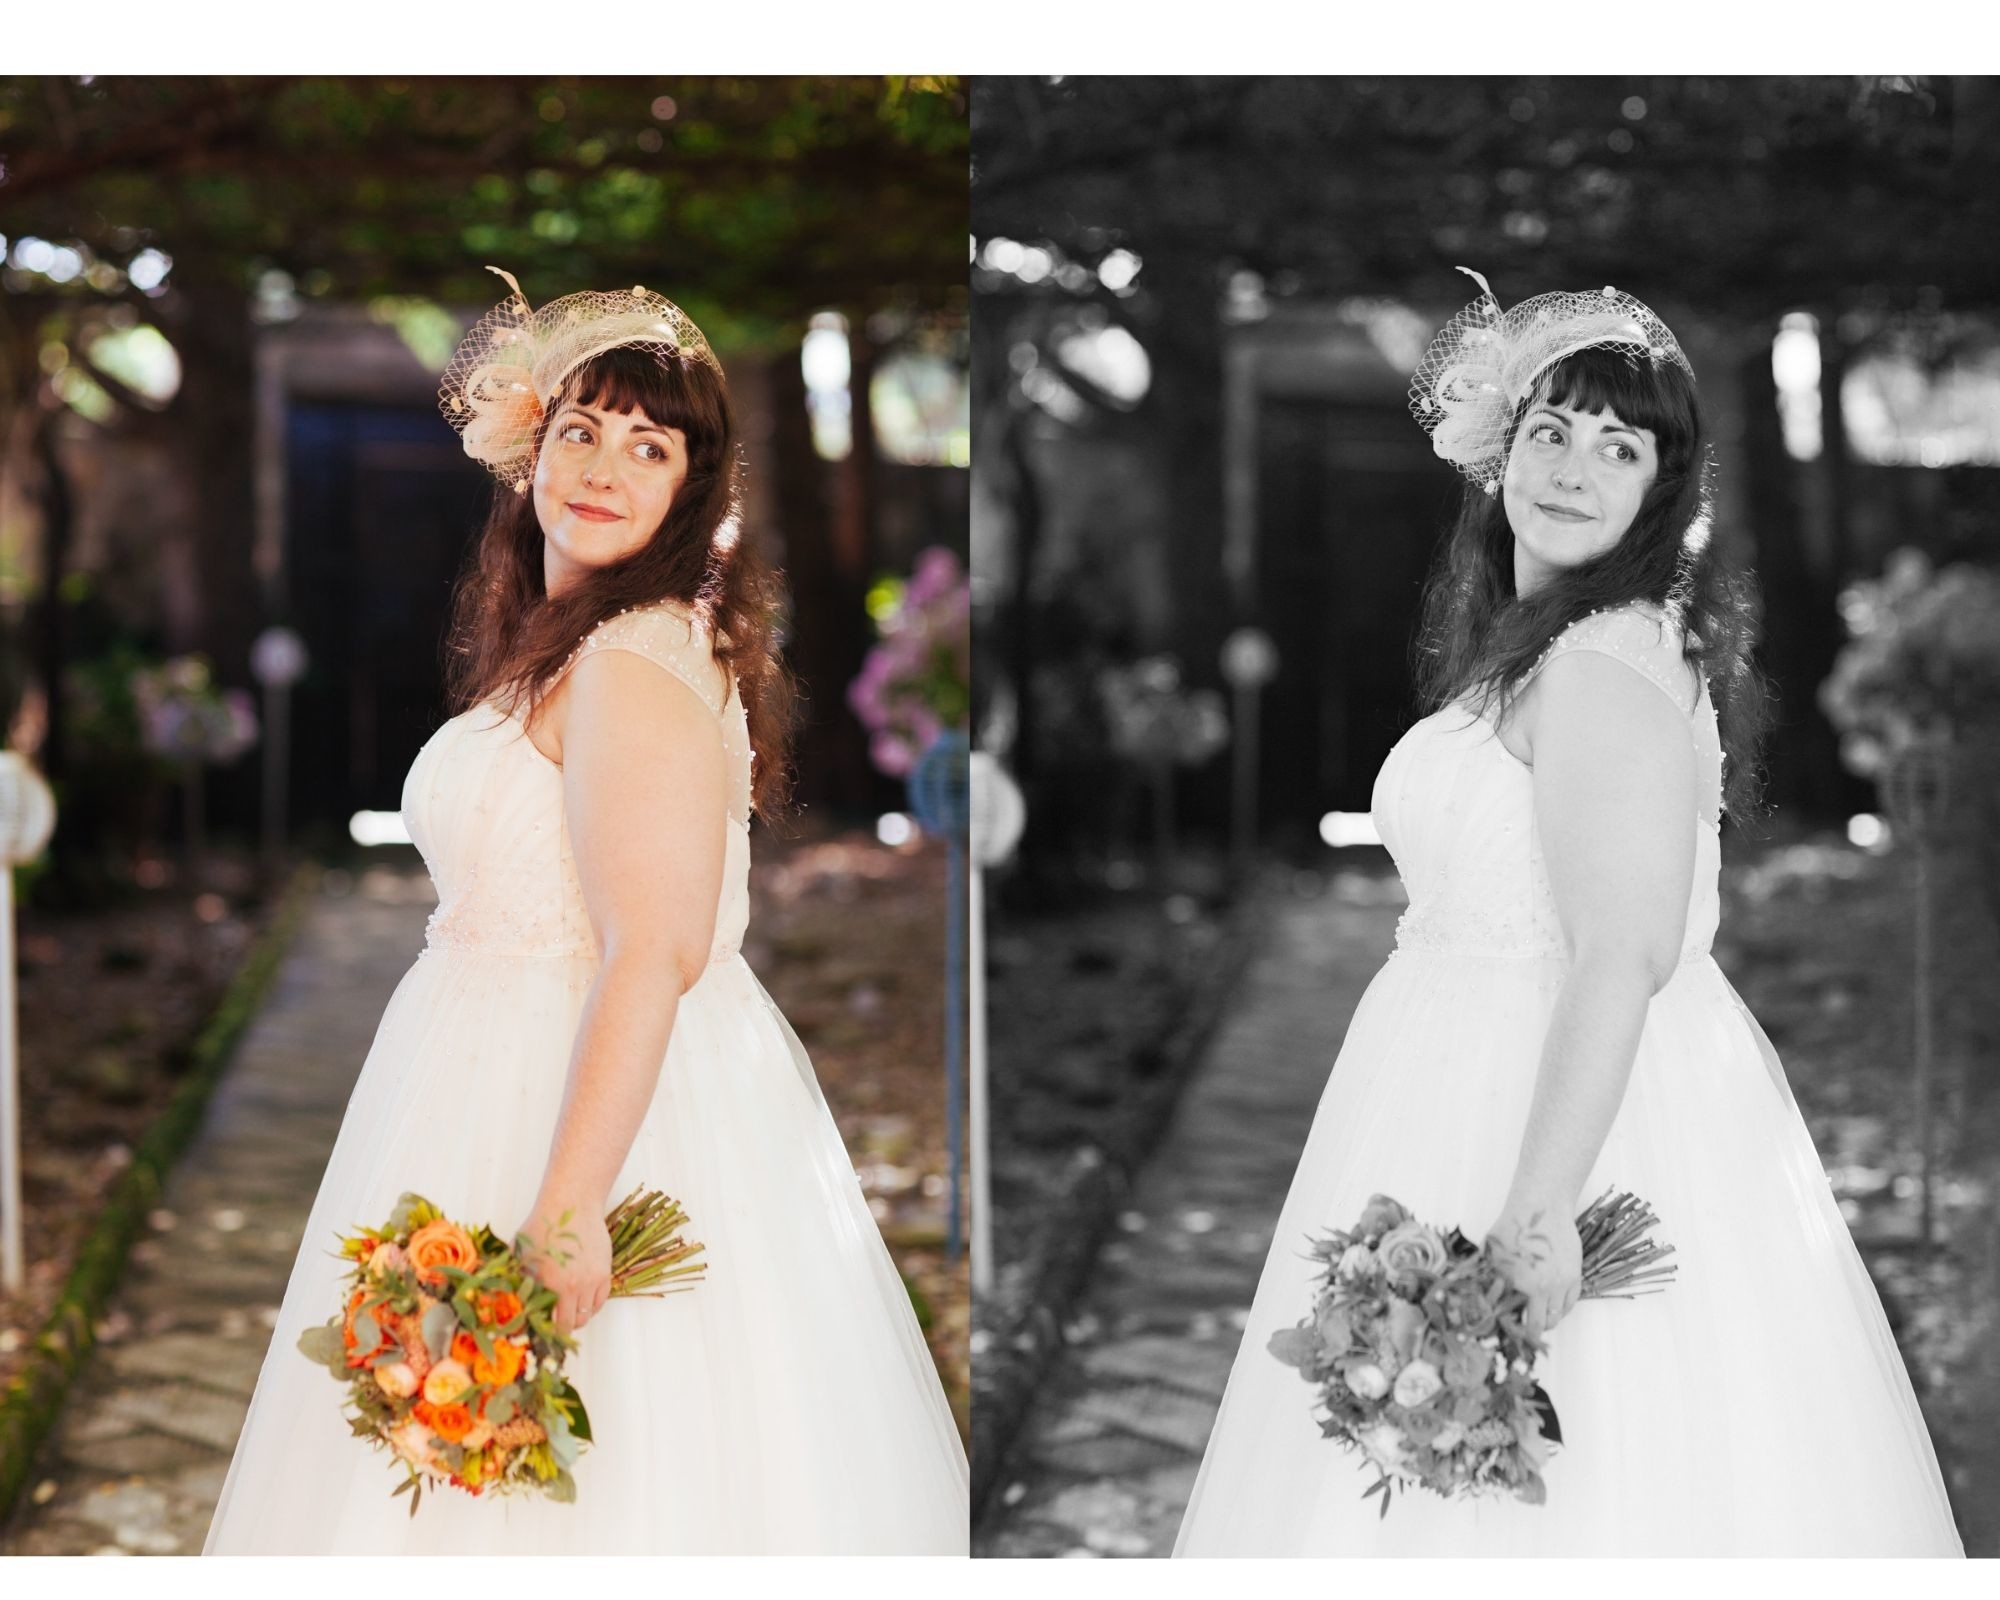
(1485, 361)
(512, 364)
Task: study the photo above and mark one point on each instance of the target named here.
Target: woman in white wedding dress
(581, 1023)
(1551, 1024)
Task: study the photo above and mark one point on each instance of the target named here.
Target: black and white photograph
(1486, 710)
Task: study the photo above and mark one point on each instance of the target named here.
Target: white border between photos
(952, 1578)
(514, 38)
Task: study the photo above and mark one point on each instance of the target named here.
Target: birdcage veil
(1484, 361)
(512, 364)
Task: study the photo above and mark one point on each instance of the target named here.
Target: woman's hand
(568, 1249)
(1540, 1251)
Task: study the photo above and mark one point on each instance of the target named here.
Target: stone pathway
(137, 1460)
(1107, 1458)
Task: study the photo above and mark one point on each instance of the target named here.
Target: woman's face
(1574, 482)
(602, 486)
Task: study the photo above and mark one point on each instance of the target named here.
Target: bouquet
(1418, 1349)
(450, 1355)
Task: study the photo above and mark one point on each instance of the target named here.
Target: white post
(27, 818)
(982, 1180)
(278, 660)
(13, 1260)
(998, 816)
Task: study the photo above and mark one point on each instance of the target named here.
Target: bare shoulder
(646, 667)
(1595, 673)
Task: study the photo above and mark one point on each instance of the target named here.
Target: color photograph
(485, 659)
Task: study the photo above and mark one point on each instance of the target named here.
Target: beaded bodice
(485, 807)
(1456, 809)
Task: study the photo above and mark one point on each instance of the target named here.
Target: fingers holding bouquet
(1540, 1251)
(567, 1248)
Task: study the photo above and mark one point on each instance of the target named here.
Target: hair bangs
(632, 378)
(1640, 393)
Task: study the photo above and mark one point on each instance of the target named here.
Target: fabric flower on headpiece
(501, 412)
(513, 363)
(1484, 362)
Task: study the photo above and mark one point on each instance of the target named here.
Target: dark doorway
(381, 508)
(1350, 502)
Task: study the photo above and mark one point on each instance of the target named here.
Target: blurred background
(230, 517)
(1201, 516)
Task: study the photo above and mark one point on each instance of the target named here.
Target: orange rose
(451, 1423)
(441, 1244)
(503, 1367)
(464, 1347)
(500, 1307)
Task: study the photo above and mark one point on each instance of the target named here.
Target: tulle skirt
(1758, 1406)
(786, 1405)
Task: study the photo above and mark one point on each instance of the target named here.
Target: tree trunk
(51, 632)
(1801, 628)
(214, 417)
(826, 602)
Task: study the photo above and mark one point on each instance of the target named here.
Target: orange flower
(464, 1347)
(501, 1306)
(441, 1244)
(502, 1368)
(451, 1422)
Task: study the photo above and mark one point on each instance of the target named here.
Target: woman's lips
(1562, 513)
(594, 513)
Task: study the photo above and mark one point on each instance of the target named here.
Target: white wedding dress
(786, 1405)
(1756, 1407)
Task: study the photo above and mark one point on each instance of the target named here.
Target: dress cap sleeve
(669, 637)
(1641, 636)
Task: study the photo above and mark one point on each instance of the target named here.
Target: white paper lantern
(27, 810)
(1249, 659)
(999, 813)
(278, 659)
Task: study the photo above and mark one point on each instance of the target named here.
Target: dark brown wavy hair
(509, 640)
(1478, 636)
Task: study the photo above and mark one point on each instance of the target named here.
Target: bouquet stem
(648, 1256)
(1619, 1260)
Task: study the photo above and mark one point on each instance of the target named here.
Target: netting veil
(1485, 361)
(511, 364)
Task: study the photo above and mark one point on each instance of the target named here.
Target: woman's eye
(657, 453)
(572, 430)
(1625, 451)
(1545, 433)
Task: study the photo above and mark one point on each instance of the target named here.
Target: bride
(580, 1022)
(1551, 1024)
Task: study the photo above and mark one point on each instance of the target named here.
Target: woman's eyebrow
(597, 417)
(1569, 416)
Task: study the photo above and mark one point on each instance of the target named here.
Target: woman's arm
(1614, 787)
(644, 787)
